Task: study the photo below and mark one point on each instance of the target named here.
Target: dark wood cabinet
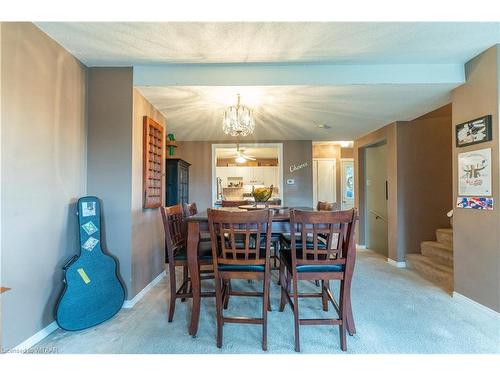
(177, 182)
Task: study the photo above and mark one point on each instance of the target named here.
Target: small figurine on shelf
(171, 144)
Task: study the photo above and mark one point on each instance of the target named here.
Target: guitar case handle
(70, 262)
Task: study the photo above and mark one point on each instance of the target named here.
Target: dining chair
(324, 206)
(190, 209)
(247, 260)
(321, 206)
(226, 203)
(174, 225)
(313, 260)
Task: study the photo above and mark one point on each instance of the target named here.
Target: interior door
(324, 180)
(347, 181)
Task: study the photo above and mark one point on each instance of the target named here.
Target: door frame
(315, 179)
(215, 146)
(362, 191)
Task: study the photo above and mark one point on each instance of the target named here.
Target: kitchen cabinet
(251, 175)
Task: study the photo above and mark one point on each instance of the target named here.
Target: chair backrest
(190, 209)
(174, 226)
(233, 203)
(326, 206)
(237, 236)
(327, 237)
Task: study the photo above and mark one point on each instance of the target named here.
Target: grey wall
(476, 240)
(132, 234)
(198, 153)
(42, 172)
(109, 160)
(148, 244)
(301, 193)
(419, 179)
(394, 206)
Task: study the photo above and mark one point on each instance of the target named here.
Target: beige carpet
(396, 311)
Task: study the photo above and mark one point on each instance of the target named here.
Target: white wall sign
(294, 167)
(474, 173)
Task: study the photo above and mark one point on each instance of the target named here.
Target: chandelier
(238, 120)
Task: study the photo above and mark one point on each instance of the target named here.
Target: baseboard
(36, 338)
(40, 335)
(461, 298)
(392, 262)
(360, 247)
(128, 304)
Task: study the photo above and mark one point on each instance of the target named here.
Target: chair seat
(241, 267)
(286, 256)
(204, 252)
(287, 238)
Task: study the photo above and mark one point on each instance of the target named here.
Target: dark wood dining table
(197, 225)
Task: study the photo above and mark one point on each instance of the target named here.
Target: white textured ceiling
(293, 112)
(282, 112)
(117, 43)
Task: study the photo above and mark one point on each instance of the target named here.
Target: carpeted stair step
(445, 236)
(428, 268)
(441, 253)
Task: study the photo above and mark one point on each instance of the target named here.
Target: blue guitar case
(92, 291)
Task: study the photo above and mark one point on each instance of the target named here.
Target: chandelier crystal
(238, 120)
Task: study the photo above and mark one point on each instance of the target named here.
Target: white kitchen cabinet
(251, 175)
(270, 176)
(258, 175)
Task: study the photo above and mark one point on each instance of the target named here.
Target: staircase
(435, 261)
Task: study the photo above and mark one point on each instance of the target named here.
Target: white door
(324, 181)
(347, 181)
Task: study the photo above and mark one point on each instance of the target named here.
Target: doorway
(376, 198)
(324, 181)
(236, 168)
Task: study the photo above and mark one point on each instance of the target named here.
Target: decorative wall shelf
(153, 148)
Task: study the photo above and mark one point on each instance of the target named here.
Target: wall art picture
(474, 131)
(474, 173)
(478, 203)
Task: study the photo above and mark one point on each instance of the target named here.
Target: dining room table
(197, 225)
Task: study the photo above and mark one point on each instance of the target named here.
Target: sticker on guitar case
(83, 275)
(89, 228)
(88, 209)
(90, 244)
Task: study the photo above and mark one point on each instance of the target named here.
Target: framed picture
(474, 131)
(474, 173)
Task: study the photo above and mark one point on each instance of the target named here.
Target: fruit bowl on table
(262, 194)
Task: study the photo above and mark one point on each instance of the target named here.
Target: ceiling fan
(240, 156)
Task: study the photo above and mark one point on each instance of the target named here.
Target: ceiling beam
(295, 74)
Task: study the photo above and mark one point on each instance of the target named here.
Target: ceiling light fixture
(323, 126)
(238, 120)
(240, 159)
